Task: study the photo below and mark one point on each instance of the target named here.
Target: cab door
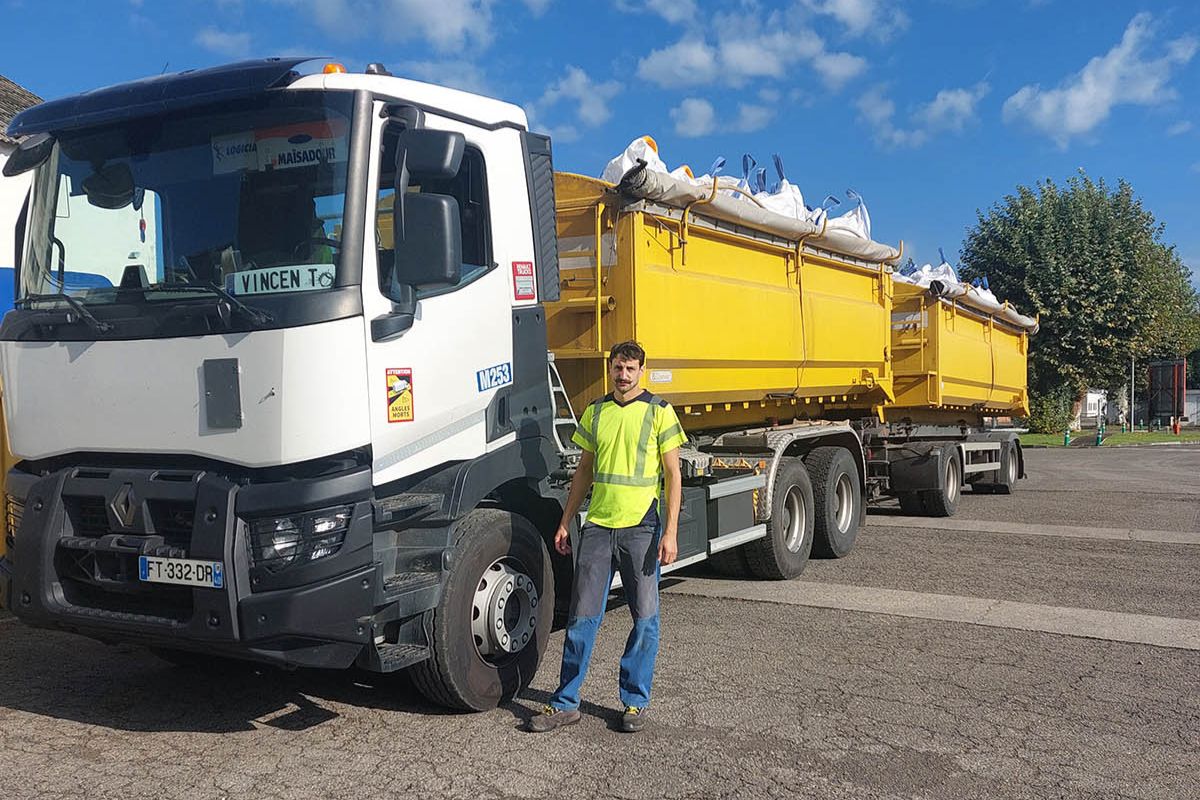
(437, 388)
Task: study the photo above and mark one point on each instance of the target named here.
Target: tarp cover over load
(645, 177)
(943, 281)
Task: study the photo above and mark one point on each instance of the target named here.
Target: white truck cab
(296, 423)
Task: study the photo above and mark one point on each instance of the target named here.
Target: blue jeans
(601, 553)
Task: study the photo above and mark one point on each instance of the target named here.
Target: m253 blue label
(492, 377)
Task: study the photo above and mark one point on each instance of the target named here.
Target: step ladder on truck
(325, 421)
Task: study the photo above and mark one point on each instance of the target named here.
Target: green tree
(1091, 262)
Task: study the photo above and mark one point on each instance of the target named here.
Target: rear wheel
(784, 551)
(494, 619)
(943, 501)
(1010, 469)
(837, 500)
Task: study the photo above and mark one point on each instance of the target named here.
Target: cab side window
(468, 188)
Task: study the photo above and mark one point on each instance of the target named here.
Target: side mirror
(29, 153)
(426, 153)
(430, 153)
(431, 252)
(430, 255)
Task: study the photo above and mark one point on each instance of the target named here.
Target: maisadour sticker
(400, 394)
(523, 284)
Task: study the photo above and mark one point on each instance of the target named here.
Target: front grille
(170, 519)
(88, 516)
(173, 521)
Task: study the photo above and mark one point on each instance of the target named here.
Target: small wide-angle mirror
(31, 152)
(110, 186)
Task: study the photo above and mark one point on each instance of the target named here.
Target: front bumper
(74, 564)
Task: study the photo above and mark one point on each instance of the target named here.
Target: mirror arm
(62, 259)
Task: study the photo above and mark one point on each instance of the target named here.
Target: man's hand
(562, 541)
(668, 547)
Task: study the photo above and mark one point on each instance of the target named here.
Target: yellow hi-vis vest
(628, 440)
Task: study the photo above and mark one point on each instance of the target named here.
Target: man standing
(630, 441)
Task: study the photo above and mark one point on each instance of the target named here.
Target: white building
(13, 100)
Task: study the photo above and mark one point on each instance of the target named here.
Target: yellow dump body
(947, 357)
(741, 327)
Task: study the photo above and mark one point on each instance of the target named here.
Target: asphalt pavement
(999, 654)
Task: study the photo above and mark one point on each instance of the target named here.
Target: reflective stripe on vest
(638, 477)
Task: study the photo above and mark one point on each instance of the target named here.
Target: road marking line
(1068, 531)
(1113, 626)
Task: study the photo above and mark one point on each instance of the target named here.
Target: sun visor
(156, 95)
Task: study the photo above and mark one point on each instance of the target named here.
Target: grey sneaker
(553, 718)
(633, 720)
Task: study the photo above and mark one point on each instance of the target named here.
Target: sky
(932, 111)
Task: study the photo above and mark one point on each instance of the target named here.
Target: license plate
(182, 571)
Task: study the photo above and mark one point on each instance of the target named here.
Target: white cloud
(1179, 128)
(589, 97)
(1122, 76)
(676, 12)
(694, 117)
(688, 62)
(223, 42)
(446, 24)
(735, 59)
(537, 7)
(879, 18)
(449, 26)
(838, 69)
(753, 117)
(951, 110)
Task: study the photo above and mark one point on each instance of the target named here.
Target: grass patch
(1042, 439)
(1139, 437)
(1153, 437)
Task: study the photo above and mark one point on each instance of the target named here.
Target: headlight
(279, 542)
(14, 509)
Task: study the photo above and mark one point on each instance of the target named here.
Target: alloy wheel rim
(844, 493)
(795, 520)
(504, 610)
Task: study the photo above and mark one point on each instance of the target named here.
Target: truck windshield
(241, 205)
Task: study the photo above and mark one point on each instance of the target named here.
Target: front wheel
(494, 619)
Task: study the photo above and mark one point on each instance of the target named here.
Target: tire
(910, 504)
(837, 500)
(497, 555)
(943, 501)
(784, 551)
(1010, 469)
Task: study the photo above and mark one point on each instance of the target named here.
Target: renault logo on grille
(124, 506)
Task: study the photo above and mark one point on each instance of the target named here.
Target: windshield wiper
(257, 316)
(80, 311)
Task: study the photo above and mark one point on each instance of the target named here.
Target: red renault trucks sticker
(523, 285)
(400, 395)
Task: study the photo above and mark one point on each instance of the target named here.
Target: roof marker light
(332, 68)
